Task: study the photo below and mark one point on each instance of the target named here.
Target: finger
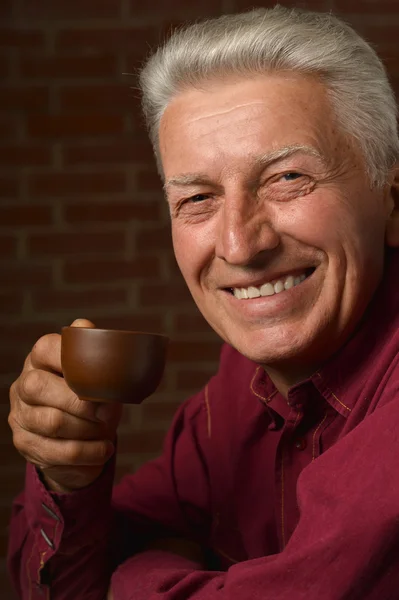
(46, 353)
(83, 323)
(41, 388)
(48, 452)
(55, 423)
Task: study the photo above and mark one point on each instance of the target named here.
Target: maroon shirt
(293, 499)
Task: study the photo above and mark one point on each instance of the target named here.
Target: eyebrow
(262, 161)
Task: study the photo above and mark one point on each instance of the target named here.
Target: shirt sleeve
(346, 544)
(67, 545)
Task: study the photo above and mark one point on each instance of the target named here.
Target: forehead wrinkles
(226, 127)
(226, 111)
(239, 124)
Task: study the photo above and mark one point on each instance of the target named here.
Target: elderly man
(275, 135)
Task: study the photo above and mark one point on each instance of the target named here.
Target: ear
(392, 228)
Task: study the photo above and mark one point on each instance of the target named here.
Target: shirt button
(300, 444)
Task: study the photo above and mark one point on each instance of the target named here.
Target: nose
(245, 230)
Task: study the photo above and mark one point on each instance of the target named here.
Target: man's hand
(68, 439)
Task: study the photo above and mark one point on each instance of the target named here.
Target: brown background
(83, 225)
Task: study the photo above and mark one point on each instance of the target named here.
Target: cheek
(327, 221)
(190, 248)
(314, 222)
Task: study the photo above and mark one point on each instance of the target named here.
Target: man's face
(267, 196)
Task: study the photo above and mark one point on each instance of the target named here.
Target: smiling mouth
(270, 288)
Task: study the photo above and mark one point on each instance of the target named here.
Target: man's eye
(291, 176)
(198, 198)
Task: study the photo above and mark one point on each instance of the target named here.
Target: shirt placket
(295, 452)
(283, 470)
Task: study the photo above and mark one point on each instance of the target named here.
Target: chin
(269, 349)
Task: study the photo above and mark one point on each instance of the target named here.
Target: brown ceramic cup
(105, 365)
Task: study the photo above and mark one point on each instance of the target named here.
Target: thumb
(83, 323)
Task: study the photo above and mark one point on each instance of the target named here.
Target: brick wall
(83, 226)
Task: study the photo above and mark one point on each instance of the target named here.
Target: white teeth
(253, 292)
(289, 282)
(268, 289)
(237, 293)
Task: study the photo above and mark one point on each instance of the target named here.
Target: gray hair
(276, 40)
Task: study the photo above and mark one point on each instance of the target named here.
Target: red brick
(5, 511)
(5, 583)
(159, 411)
(8, 127)
(22, 276)
(4, 68)
(387, 49)
(193, 323)
(8, 187)
(149, 181)
(59, 67)
(13, 483)
(193, 379)
(11, 360)
(318, 5)
(116, 39)
(379, 34)
(114, 152)
(17, 216)
(23, 156)
(111, 270)
(158, 238)
(3, 536)
(26, 333)
(377, 7)
(192, 352)
(111, 212)
(21, 38)
(112, 97)
(50, 126)
(172, 295)
(11, 302)
(25, 98)
(61, 244)
(176, 8)
(72, 184)
(58, 300)
(8, 246)
(6, 10)
(129, 322)
(70, 9)
(173, 267)
(143, 442)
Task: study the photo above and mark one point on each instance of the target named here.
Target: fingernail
(83, 323)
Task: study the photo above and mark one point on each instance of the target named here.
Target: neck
(285, 379)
